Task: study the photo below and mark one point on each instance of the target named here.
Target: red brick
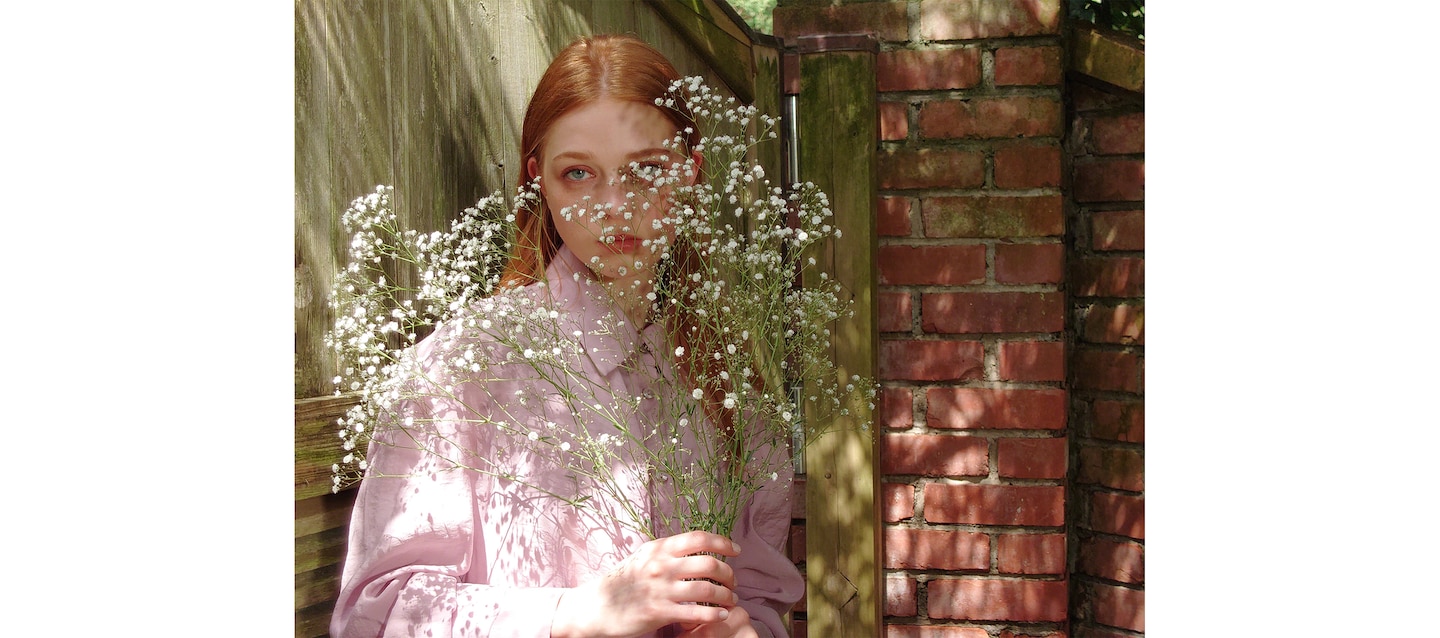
(1120, 323)
(1091, 631)
(1116, 180)
(993, 216)
(1027, 166)
(1120, 514)
(885, 19)
(893, 122)
(1027, 66)
(895, 410)
(986, 599)
(1032, 458)
(1086, 98)
(1116, 230)
(931, 631)
(1031, 633)
(900, 596)
(932, 455)
(1031, 360)
(1029, 263)
(1110, 277)
(1118, 135)
(1107, 370)
(931, 360)
(895, 312)
(892, 216)
(927, 69)
(1120, 561)
(1121, 469)
(931, 168)
(951, 265)
(973, 504)
(969, 19)
(987, 312)
(1030, 553)
(987, 409)
(1119, 421)
(995, 117)
(897, 502)
(1119, 607)
(935, 549)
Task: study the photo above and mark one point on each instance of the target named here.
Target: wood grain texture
(837, 133)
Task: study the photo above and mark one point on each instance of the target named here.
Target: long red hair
(589, 69)
(615, 66)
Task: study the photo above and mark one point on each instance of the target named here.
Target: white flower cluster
(741, 338)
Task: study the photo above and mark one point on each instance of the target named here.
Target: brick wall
(1011, 263)
(974, 412)
(1105, 149)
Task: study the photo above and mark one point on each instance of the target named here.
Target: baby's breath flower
(735, 279)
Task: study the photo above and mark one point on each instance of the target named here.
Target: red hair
(615, 66)
(591, 68)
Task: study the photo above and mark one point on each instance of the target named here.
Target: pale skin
(584, 154)
(581, 164)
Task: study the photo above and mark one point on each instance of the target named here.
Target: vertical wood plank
(313, 266)
(837, 137)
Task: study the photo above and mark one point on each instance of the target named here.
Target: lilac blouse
(437, 551)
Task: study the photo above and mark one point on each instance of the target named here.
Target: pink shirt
(436, 551)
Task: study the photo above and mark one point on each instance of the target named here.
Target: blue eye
(576, 174)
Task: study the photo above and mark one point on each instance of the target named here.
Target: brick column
(972, 312)
(1106, 149)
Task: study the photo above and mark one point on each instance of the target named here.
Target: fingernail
(724, 613)
(736, 546)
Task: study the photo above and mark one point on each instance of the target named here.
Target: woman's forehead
(610, 127)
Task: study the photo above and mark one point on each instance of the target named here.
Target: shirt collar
(609, 338)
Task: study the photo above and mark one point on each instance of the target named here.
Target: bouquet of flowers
(738, 374)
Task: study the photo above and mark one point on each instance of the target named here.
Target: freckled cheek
(568, 200)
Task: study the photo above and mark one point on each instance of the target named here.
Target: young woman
(439, 552)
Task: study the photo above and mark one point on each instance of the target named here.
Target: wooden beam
(316, 445)
(837, 133)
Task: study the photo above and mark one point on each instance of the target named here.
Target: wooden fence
(429, 97)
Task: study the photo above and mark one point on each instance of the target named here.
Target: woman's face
(596, 167)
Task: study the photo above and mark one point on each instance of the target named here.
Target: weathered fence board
(836, 138)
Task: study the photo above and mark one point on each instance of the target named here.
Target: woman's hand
(657, 585)
(737, 625)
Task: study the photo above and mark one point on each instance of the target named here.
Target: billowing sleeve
(766, 580)
(413, 558)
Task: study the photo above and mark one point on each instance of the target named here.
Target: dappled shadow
(988, 18)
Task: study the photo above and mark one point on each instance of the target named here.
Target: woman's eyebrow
(651, 152)
(577, 155)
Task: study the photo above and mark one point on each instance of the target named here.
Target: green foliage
(1127, 16)
(759, 14)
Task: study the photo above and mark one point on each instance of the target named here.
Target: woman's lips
(623, 244)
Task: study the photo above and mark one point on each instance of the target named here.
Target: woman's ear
(532, 168)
